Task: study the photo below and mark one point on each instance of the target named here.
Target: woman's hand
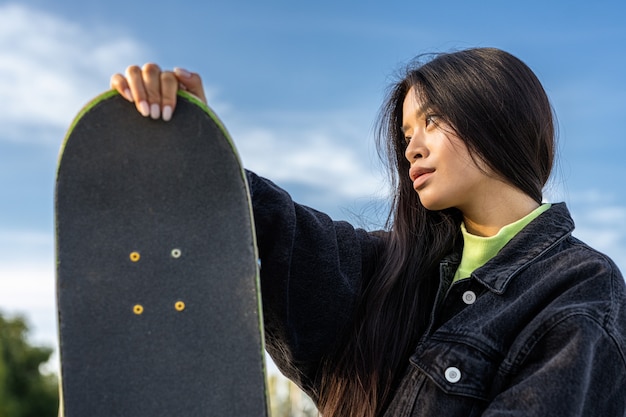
(154, 91)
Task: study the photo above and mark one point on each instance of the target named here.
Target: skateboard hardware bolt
(135, 256)
(176, 253)
(138, 309)
(179, 306)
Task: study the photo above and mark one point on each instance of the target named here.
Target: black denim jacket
(540, 330)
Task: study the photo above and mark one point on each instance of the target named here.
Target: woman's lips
(420, 175)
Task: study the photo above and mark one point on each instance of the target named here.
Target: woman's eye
(430, 119)
(407, 139)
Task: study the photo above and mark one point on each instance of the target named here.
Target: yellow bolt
(138, 309)
(179, 306)
(135, 256)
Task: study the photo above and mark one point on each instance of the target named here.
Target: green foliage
(24, 390)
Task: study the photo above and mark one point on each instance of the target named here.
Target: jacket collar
(538, 237)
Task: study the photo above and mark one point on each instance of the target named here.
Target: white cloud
(329, 153)
(27, 283)
(27, 286)
(50, 67)
(601, 222)
(15, 239)
(27, 289)
(318, 159)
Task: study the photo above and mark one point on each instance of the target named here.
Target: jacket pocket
(458, 366)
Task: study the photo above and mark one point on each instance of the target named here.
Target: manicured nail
(167, 113)
(155, 111)
(182, 72)
(128, 95)
(144, 109)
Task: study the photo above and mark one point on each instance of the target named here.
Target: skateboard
(157, 268)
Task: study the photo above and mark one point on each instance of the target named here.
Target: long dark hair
(497, 106)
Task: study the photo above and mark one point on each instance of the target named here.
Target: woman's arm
(312, 272)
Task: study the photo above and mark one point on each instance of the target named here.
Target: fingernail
(128, 95)
(167, 113)
(155, 111)
(144, 109)
(182, 72)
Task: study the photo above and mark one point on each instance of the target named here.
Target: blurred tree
(287, 400)
(24, 390)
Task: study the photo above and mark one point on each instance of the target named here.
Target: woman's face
(442, 170)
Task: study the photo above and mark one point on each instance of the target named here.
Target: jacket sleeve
(312, 272)
(575, 367)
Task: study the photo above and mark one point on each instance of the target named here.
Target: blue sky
(298, 84)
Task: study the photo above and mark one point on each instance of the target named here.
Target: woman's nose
(415, 151)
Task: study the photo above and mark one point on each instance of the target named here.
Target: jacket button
(453, 375)
(469, 297)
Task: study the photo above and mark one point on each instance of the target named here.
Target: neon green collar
(478, 250)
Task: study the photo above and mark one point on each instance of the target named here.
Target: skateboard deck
(157, 273)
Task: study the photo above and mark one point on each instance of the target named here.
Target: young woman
(476, 300)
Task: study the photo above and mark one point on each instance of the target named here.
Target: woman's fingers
(169, 87)
(119, 83)
(154, 91)
(134, 76)
(152, 82)
(191, 82)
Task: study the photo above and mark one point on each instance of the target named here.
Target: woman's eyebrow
(420, 112)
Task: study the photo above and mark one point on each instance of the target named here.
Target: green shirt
(478, 250)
